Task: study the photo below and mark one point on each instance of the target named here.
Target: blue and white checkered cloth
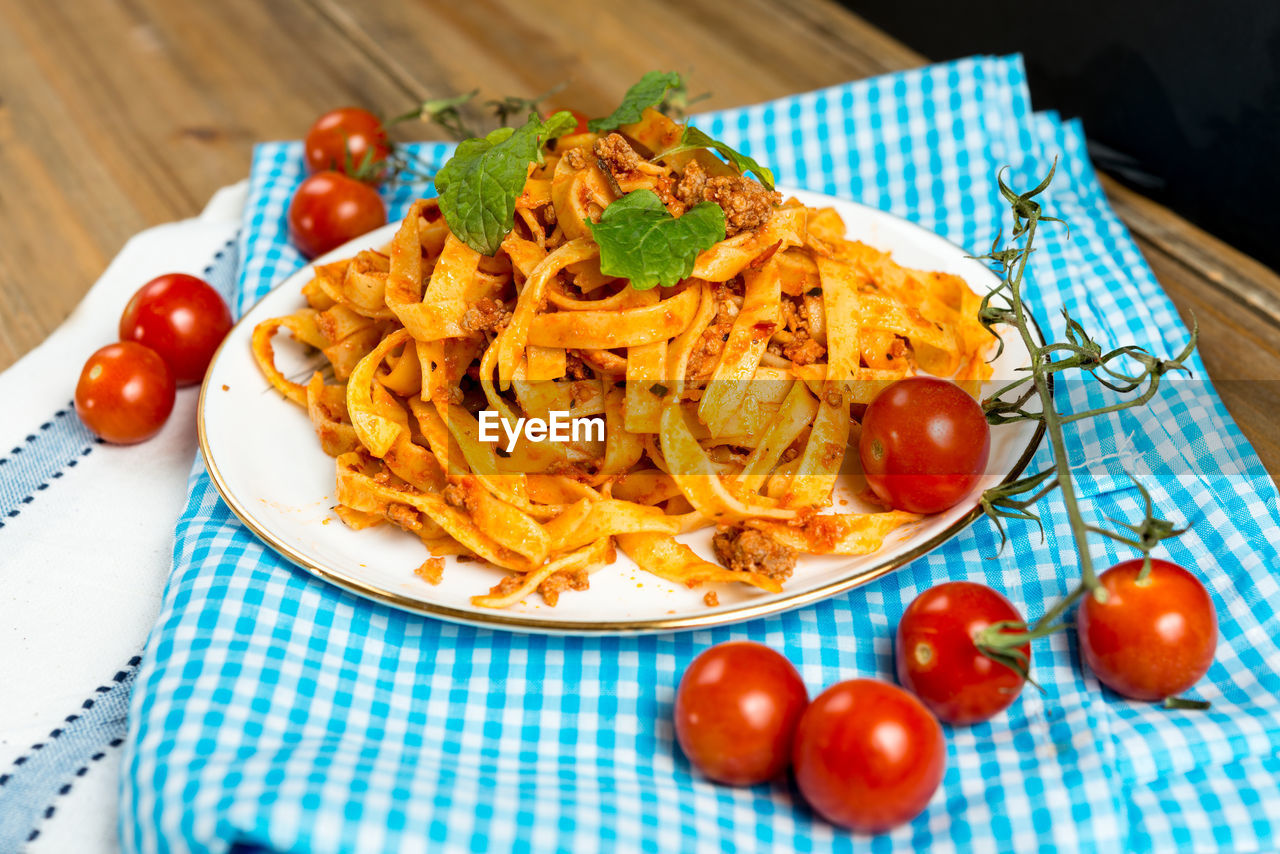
(274, 710)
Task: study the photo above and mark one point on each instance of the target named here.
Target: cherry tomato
(868, 756)
(938, 661)
(582, 121)
(125, 393)
(924, 444)
(342, 139)
(329, 208)
(1152, 638)
(736, 712)
(180, 317)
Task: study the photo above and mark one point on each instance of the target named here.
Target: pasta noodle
(725, 398)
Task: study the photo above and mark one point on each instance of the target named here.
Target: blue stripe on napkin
(41, 459)
(30, 788)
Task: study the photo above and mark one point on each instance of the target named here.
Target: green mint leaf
(693, 139)
(649, 92)
(640, 240)
(479, 185)
(558, 125)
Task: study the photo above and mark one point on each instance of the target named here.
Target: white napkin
(84, 560)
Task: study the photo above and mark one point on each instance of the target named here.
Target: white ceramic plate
(267, 464)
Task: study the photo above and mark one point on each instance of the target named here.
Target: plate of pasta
(622, 395)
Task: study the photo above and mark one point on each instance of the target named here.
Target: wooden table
(118, 116)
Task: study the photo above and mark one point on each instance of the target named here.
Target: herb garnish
(638, 237)
(650, 91)
(640, 240)
(479, 185)
(693, 139)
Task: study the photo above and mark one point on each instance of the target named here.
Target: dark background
(1180, 100)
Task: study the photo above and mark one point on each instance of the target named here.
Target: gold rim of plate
(511, 622)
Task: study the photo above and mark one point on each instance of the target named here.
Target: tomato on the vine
(868, 756)
(1149, 637)
(125, 393)
(330, 208)
(349, 140)
(924, 444)
(939, 661)
(182, 318)
(736, 712)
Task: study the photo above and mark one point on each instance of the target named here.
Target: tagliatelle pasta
(724, 399)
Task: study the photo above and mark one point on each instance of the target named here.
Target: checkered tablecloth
(274, 710)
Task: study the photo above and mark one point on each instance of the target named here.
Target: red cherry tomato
(1152, 638)
(582, 121)
(125, 393)
(349, 140)
(736, 711)
(924, 444)
(180, 317)
(328, 209)
(868, 756)
(938, 661)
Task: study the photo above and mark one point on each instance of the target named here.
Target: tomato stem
(1026, 218)
(1184, 703)
(448, 113)
(1004, 306)
(445, 112)
(1002, 642)
(1002, 636)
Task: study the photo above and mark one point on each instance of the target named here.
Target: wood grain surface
(115, 116)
